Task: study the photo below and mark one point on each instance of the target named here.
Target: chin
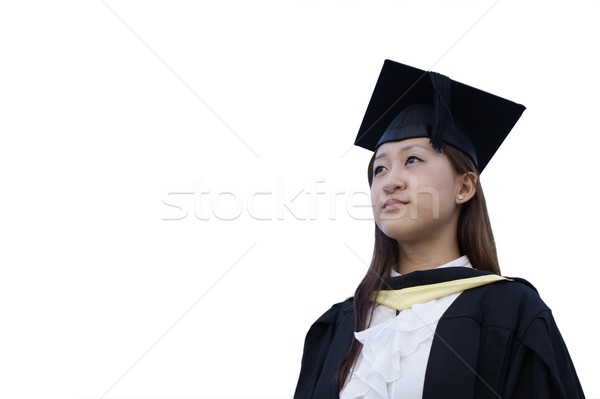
(396, 229)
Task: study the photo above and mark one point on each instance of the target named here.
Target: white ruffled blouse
(395, 349)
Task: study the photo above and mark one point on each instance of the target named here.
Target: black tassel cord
(442, 117)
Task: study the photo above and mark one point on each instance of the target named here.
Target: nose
(395, 182)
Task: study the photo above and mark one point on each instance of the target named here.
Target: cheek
(375, 206)
(435, 200)
(445, 202)
(374, 193)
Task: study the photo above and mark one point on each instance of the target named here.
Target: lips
(393, 203)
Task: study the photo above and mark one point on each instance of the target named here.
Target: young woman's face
(414, 191)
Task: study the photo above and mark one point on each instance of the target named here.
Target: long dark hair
(475, 239)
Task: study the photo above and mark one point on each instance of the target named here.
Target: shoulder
(515, 289)
(336, 311)
(511, 304)
(334, 328)
(338, 318)
(517, 293)
(324, 348)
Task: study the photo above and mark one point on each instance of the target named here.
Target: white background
(115, 116)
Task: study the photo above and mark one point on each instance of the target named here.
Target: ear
(466, 187)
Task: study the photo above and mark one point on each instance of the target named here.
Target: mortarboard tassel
(442, 117)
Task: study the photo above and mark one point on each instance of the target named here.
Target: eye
(412, 159)
(377, 170)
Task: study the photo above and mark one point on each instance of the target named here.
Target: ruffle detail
(385, 345)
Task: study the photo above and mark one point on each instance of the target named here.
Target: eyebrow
(403, 149)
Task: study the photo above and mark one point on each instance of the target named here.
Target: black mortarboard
(408, 102)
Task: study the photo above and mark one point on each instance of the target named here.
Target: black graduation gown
(495, 341)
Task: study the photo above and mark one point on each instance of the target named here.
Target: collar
(462, 261)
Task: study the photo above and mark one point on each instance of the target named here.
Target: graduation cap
(408, 102)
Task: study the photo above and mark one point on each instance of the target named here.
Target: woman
(433, 318)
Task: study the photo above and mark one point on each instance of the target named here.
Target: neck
(426, 255)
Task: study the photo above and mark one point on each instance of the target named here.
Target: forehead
(393, 148)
